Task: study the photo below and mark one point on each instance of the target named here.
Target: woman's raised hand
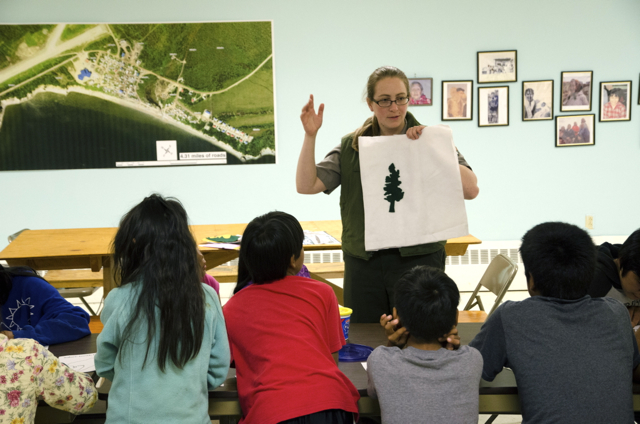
(311, 121)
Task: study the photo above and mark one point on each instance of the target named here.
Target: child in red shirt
(284, 333)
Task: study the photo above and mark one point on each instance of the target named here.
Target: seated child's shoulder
(384, 354)
(473, 353)
(31, 283)
(611, 304)
(209, 291)
(311, 284)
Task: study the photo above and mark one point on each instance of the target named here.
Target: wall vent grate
(471, 257)
(483, 256)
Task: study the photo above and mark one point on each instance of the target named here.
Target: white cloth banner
(412, 189)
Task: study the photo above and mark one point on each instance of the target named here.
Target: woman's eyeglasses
(400, 101)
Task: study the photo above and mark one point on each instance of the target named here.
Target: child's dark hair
(629, 254)
(560, 257)
(427, 303)
(6, 275)
(267, 245)
(155, 248)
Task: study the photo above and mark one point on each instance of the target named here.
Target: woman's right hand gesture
(311, 121)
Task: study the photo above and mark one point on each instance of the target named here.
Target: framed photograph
(420, 91)
(457, 100)
(615, 101)
(537, 100)
(576, 130)
(576, 91)
(493, 106)
(497, 66)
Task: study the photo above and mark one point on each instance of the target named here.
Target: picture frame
(457, 100)
(576, 91)
(497, 66)
(537, 100)
(615, 101)
(493, 106)
(420, 91)
(575, 130)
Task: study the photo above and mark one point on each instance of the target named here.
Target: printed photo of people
(493, 102)
(420, 92)
(498, 66)
(575, 130)
(457, 100)
(576, 91)
(493, 106)
(614, 101)
(537, 100)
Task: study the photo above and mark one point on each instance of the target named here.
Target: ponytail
(369, 128)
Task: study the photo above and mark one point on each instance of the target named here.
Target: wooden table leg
(108, 282)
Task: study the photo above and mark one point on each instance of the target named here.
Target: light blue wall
(329, 48)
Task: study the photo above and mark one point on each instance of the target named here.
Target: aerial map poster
(133, 95)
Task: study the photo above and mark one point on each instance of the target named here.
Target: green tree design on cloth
(392, 191)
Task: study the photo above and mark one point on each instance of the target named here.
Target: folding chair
(497, 279)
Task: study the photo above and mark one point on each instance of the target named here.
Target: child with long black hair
(285, 333)
(164, 343)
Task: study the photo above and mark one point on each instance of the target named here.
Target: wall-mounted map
(121, 95)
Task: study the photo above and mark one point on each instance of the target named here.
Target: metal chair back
(497, 279)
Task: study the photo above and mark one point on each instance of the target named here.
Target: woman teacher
(369, 277)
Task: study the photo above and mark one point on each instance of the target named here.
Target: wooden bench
(95, 325)
(318, 271)
(78, 283)
(229, 274)
(73, 278)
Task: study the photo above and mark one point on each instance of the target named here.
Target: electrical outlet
(588, 222)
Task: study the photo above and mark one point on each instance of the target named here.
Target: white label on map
(203, 155)
(192, 50)
(220, 48)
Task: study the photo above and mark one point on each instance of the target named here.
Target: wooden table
(79, 248)
(497, 397)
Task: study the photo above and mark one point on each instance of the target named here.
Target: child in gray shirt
(422, 379)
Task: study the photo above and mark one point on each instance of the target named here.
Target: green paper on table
(223, 239)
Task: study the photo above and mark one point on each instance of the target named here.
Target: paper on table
(226, 246)
(81, 363)
(318, 237)
(310, 238)
(364, 365)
